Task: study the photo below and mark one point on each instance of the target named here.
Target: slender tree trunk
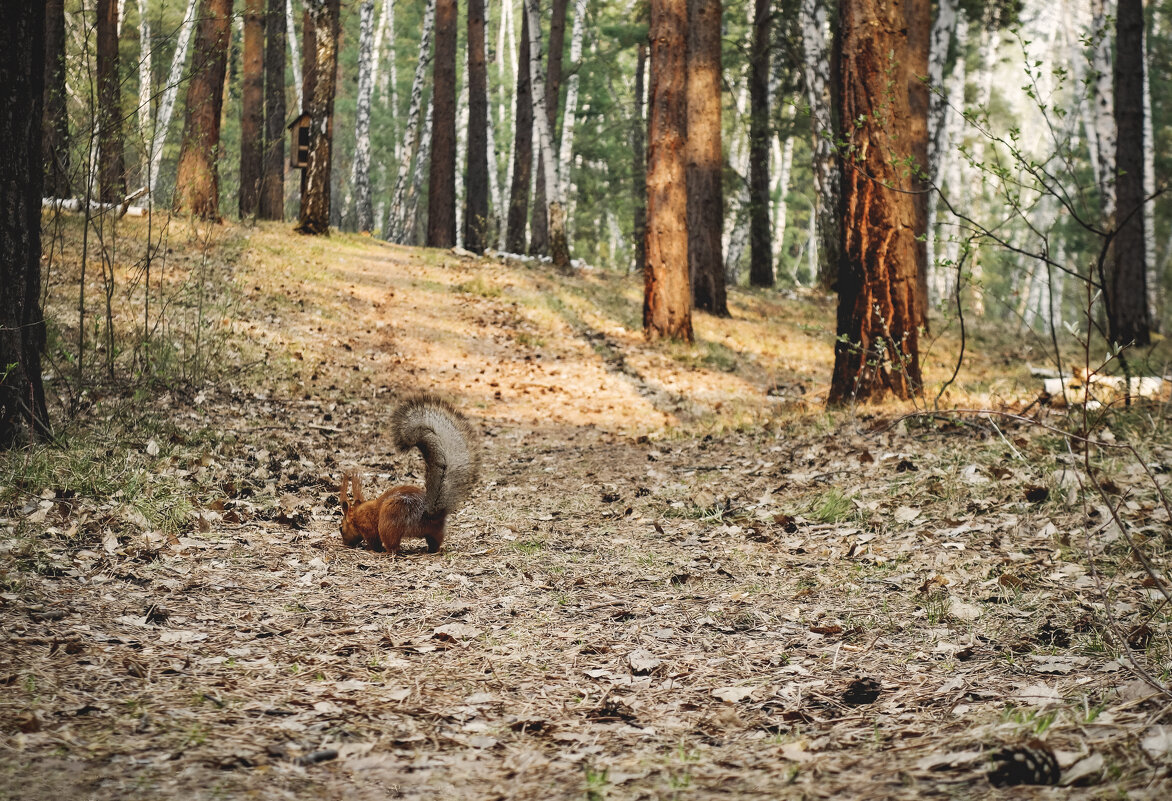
(56, 120)
(476, 224)
(1104, 104)
(539, 219)
(367, 57)
(566, 147)
(272, 193)
(111, 162)
(441, 184)
(197, 181)
(1152, 276)
(1127, 310)
(295, 59)
(705, 215)
(950, 164)
(667, 296)
(877, 350)
(943, 27)
(22, 326)
(522, 148)
(639, 166)
(170, 91)
(315, 198)
(760, 244)
(812, 15)
(559, 246)
(399, 225)
(252, 107)
(918, 14)
(417, 230)
(784, 155)
(145, 90)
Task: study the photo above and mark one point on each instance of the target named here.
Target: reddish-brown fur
(383, 522)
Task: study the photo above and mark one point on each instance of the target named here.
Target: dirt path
(624, 610)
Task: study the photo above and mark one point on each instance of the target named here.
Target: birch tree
(943, 28)
(170, 90)
(144, 87)
(539, 217)
(397, 226)
(294, 56)
(566, 146)
(812, 16)
(559, 246)
(1103, 105)
(360, 175)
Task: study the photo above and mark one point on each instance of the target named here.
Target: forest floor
(679, 577)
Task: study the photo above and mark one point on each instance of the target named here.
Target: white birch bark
(121, 5)
(783, 157)
(735, 229)
(419, 177)
(360, 174)
(1103, 93)
(387, 81)
(812, 20)
(567, 143)
(294, 54)
(553, 181)
(1151, 277)
(144, 87)
(942, 271)
(946, 23)
(461, 147)
(396, 226)
(167, 101)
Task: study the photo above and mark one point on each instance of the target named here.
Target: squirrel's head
(351, 536)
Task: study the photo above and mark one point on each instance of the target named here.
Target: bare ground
(676, 580)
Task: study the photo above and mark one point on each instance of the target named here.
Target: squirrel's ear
(345, 507)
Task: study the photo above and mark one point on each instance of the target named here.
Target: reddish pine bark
(522, 148)
(315, 196)
(22, 326)
(705, 191)
(111, 164)
(760, 232)
(197, 181)
(476, 188)
(441, 186)
(272, 193)
(252, 107)
(877, 351)
(539, 219)
(667, 296)
(1128, 316)
(55, 123)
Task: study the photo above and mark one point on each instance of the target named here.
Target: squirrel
(452, 456)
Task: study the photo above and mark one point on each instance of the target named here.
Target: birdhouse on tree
(299, 145)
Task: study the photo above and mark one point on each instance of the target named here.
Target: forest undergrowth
(680, 576)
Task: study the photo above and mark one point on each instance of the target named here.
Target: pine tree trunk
(197, 181)
(441, 184)
(639, 164)
(877, 350)
(812, 15)
(170, 91)
(272, 193)
(399, 222)
(111, 162)
(539, 234)
(559, 246)
(522, 148)
(252, 106)
(55, 118)
(367, 56)
(22, 326)
(760, 241)
(476, 223)
(1127, 309)
(703, 172)
(314, 217)
(667, 296)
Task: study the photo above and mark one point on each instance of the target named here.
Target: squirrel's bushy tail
(448, 444)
